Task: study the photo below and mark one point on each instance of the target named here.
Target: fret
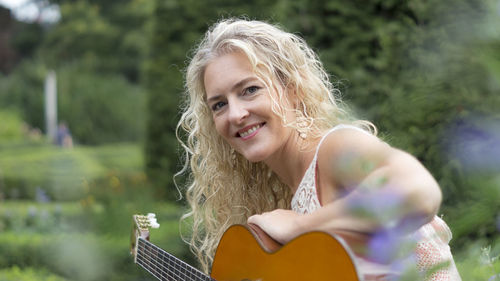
(165, 266)
(153, 266)
(156, 268)
(165, 259)
(146, 260)
(184, 269)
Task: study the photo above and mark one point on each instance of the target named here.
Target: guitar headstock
(142, 224)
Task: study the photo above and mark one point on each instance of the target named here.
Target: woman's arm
(364, 185)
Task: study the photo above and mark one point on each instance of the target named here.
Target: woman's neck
(291, 162)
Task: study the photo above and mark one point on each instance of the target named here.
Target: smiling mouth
(250, 131)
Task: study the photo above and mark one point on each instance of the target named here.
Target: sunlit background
(89, 96)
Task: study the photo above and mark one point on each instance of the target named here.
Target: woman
(269, 144)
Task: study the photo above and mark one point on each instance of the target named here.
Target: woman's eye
(251, 90)
(218, 105)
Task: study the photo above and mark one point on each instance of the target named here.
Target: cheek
(220, 126)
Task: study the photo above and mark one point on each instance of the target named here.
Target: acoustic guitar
(247, 253)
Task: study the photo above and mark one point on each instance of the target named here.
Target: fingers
(255, 219)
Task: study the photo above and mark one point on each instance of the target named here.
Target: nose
(237, 112)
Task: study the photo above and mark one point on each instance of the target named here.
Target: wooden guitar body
(314, 256)
(248, 253)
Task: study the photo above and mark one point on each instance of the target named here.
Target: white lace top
(431, 250)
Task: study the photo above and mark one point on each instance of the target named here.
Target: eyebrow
(235, 86)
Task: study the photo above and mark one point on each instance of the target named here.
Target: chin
(255, 158)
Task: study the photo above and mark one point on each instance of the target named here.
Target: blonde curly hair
(222, 191)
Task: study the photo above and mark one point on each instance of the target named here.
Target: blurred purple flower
(495, 277)
(41, 195)
(476, 144)
(384, 246)
(380, 204)
(391, 246)
(384, 206)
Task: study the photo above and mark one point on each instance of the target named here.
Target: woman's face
(241, 108)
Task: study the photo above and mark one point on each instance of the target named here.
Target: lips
(249, 131)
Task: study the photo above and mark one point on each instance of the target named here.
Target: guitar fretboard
(165, 266)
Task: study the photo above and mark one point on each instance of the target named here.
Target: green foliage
(100, 108)
(28, 274)
(22, 91)
(479, 261)
(110, 34)
(27, 38)
(28, 171)
(57, 253)
(86, 253)
(97, 51)
(81, 32)
(476, 216)
(11, 126)
(86, 238)
(33, 217)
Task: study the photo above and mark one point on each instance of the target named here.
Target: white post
(51, 105)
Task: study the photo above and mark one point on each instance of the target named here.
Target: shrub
(87, 256)
(100, 108)
(479, 261)
(61, 174)
(25, 216)
(28, 274)
(11, 127)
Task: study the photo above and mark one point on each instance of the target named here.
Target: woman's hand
(285, 225)
(282, 225)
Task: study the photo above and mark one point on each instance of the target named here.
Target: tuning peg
(154, 224)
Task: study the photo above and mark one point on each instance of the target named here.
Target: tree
(109, 35)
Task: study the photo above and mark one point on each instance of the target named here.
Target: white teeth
(251, 130)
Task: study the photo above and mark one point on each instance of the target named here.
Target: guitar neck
(165, 266)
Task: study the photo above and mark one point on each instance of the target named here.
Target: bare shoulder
(347, 155)
(349, 141)
(348, 158)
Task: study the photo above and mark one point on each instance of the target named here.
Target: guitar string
(150, 266)
(157, 265)
(188, 270)
(154, 268)
(188, 274)
(180, 268)
(144, 265)
(195, 273)
(159, 275)
(147, 265)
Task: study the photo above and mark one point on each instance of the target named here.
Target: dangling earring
(233, 157)
(302, 125)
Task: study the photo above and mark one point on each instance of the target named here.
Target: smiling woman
(242, 111)
(268, 145)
